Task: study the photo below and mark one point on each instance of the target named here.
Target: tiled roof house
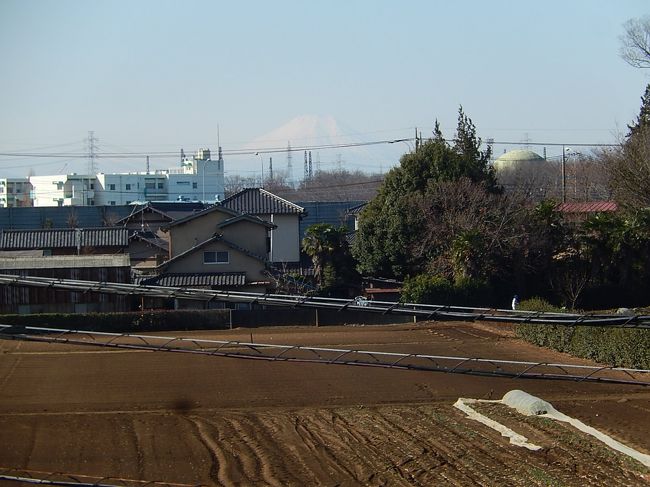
(217, 247)
(283, 214)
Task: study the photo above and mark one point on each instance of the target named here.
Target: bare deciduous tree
(629, 171)
(635, 42)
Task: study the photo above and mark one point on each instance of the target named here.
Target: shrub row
(620, 347)
(435, 289)
(158, 320)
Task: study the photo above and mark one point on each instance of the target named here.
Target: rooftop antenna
(526, 140)
(147, 164)
(271, 168)
(182, 156)
(92, 155)
(219, 151)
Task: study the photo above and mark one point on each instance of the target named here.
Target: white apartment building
(197, 179)
(15, 192)
(63, 190)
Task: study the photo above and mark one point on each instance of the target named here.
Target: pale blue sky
(160, 75)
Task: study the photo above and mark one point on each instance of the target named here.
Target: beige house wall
(238, 262)
(186, 235)
(248, 235)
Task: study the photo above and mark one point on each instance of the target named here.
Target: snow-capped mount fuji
(333, 146)
(305, 131)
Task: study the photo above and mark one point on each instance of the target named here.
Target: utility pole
(563, 174)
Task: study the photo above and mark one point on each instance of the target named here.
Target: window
(92, 185)
(212, 257)
(111, 187)
(183, 183)
(195, 185)
(161, 185)
(128, 187)
(112, 203)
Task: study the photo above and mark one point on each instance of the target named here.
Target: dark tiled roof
(355, 210)
(222, 279)
(138, 210)
(151, 239)
(64, 238)
(587, 207)
(258, 201)
(250, 218)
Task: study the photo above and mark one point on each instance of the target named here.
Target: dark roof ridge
(247, 217)
(198, 214)
(141, 209)
(261, 201)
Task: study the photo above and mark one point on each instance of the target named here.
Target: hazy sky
(160, 75)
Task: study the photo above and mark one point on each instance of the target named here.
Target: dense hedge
(435, 289)
(620, 347)
(126, 322)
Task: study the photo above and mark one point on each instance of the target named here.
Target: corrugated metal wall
(56, 217)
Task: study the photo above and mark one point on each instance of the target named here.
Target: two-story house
(217, 248)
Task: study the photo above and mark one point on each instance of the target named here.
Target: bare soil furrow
(191, 420)
(221, 471)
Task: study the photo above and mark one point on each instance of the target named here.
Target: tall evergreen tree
(388, 224)
(643, 119)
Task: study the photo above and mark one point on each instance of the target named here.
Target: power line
(288, 149)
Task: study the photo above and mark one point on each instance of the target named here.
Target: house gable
(247, 231)
(208, 257)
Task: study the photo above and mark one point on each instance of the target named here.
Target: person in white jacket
(515, 302)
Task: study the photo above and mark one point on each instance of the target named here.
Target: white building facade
(15, 192)
(197, 179)
(63, 190)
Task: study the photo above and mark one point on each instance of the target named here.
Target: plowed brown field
(188, 419)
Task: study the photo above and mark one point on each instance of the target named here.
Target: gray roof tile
(222, 279)
(63, 238)
(258, 201)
